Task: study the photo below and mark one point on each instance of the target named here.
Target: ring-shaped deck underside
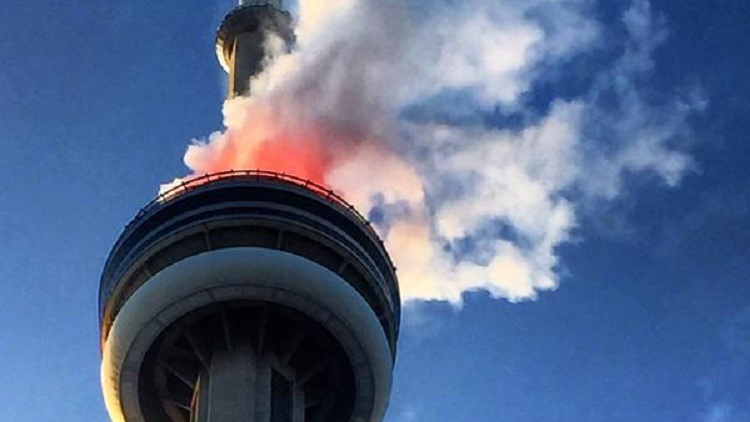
(253, 210)
(248, 19)
(318, 327)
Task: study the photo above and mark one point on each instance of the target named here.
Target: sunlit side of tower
(248, 296)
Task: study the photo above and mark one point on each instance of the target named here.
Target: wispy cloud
(721, 412)
(725, 387)
(630, 132)
(409, 415)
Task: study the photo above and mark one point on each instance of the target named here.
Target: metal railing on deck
(259, 175)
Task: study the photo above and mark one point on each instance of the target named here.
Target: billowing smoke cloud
(423, 115)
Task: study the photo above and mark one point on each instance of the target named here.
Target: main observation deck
(251, 208)
(204, 271)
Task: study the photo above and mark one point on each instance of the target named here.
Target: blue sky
(650, 317)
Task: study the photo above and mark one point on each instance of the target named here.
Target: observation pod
(248, 297)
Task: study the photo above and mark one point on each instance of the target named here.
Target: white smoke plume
(391, 103)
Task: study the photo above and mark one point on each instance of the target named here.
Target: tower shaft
(241, 386)
(245, 38)
(249, 296)
(247, 61)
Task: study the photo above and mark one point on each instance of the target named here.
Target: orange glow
(298, 154)
(258, 137)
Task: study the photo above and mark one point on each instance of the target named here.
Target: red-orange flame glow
(259, 139)
(297, 155)
(301, 157)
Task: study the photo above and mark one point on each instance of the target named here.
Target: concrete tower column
(248, 296)
(225, 393)
(247, 57)
(241, 386)
(243, 38)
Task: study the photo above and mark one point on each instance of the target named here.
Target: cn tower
(248, 296)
